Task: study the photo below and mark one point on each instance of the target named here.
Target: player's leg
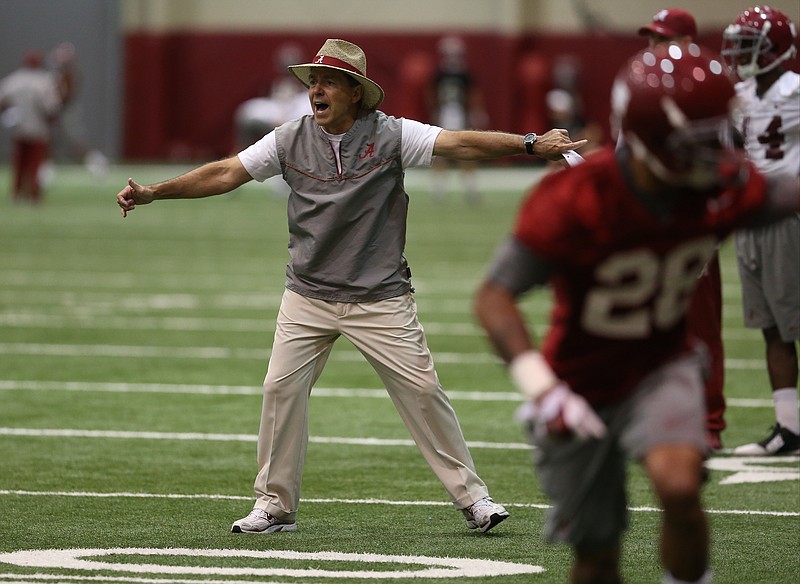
(38, 156)
(777, 313)
(585, 480)
(593, 565)
(469, 179)
(781, 360)
(704, 320)
(667, 434)
(676, 474)
(20, 165)
(782, 287)
(440, 170)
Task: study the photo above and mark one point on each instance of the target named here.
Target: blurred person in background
(673, 25)
(758, 46)
(670, 25)
(29, 105)
(563, 112)
(347, 274)
(620, 240)
(455, 104)
(70, 133)
(285, 101)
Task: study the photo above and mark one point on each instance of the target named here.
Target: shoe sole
(271, 529)
(494, 520)
(738, 452)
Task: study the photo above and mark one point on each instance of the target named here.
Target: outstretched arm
(214, 178)
(475, 145)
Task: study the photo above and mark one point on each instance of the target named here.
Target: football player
(673, 25)
(620, 240)
(757, 46)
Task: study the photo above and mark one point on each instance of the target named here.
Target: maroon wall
(181, 89)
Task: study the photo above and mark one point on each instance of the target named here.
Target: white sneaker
(259, 521)
(484, 514)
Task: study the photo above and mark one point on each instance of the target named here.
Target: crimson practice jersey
(622, 269)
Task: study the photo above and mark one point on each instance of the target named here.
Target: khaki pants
(389, 335)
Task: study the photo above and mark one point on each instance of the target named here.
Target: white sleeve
(417, 143)
(260, 160)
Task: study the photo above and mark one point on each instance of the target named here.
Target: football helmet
(758, 40)
(672, 105)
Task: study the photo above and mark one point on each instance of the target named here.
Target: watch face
(529, 140)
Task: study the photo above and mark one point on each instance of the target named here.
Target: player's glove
(561, 411)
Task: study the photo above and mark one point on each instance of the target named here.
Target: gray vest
(347, 232)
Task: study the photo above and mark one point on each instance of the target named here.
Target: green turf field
(131, 358)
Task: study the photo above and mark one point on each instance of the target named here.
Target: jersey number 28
(639, 291)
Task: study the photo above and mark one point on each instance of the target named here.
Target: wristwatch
(530, 139)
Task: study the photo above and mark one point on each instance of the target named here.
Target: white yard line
(212, 437)
(101, 317)
(339, 354)
(219, 497)
(199, 389)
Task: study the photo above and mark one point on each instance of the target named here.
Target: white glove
(562, 411)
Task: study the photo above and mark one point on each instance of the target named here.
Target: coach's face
(335, 98)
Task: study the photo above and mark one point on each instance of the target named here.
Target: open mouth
(320, 107)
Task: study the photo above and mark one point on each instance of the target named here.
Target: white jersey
(771, 124)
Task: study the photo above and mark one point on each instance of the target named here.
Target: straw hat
(348, 58)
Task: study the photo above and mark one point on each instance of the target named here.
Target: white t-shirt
(261, 159)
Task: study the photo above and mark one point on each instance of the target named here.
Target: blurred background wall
(161, 79)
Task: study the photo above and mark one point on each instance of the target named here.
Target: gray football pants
(389, 335)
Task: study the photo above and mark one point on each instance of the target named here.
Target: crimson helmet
(672, 106)
(758, 40)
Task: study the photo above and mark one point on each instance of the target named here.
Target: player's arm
(475, 145)
(778, 197)
(514, 271)
(551, 402)
(783, 198)
(214, 178)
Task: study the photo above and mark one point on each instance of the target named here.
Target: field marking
(138, 303)
(335, 501)
(10, 578)
(103, 319)
(151, 351)
(185, 324)
(346, 355)
(744, 469)
(70, 433)
(426, 566)
(346, 392)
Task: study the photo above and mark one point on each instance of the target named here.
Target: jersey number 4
(639, 291)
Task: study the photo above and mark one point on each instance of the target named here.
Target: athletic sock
(786, 413)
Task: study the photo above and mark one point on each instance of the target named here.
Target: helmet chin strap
(752, 69)
(727, 171)
(650, 160)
